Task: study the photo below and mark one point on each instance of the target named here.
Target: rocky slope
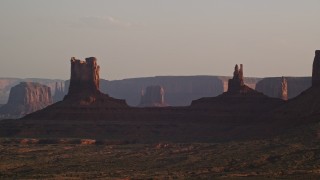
(26, 98)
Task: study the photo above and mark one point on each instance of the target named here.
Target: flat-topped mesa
(25, 98)
(235, 84)
(316, 70)
(284, 89)
(84, 77)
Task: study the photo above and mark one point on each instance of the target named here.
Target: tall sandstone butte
(316, 70)
(25, 98)
(84, 81)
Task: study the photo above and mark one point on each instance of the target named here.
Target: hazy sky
(136, 38)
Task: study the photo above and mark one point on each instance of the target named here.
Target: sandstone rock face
(26, 98)
(59, 92)
(84, 81)
(153, 97)
(284, 89)
(272, 87)
(84, 76)
(316, 69)
(7, 83)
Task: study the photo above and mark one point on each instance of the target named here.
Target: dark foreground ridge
(85, 112)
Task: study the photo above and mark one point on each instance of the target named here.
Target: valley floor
(291, 156)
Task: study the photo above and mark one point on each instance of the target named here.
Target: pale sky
(138, 38)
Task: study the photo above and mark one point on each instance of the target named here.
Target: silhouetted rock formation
(96, 115)
(85, 83)
(284, 89)
(236, 85)
(239, 99)
(84, 99)
(153, 97)
(316, 69)
(59, 92)
(26, 98)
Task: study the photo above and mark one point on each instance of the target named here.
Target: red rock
(26, 98)
(84, 77)
(272, 87)
(284, 89)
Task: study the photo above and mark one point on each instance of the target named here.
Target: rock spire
(235, 84)
(284, 89)
(316, 69)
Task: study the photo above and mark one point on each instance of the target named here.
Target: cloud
(98, 21)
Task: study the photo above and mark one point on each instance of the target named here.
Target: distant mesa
(59, 92)
(275, 86)
(25, 98)
(153, 96)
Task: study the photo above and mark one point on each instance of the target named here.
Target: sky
(140, 38)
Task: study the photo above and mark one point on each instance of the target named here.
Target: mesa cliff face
(7, 83)
(153, 97)
(272, 87)
(59, 92)
(26, 98)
